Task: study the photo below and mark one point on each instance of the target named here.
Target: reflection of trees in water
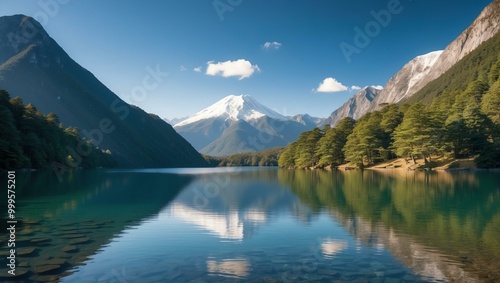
(88, 208)
(457, 213)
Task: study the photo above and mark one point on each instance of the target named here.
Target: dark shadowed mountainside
(34, 67)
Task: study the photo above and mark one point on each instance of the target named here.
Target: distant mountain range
(237, 124)
(34, 67)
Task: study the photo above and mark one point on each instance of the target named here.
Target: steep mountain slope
(34, 67)
(399, 85)
(422, 70)
(483, 63)
(483, 28)
(355, 107)
(237, 124)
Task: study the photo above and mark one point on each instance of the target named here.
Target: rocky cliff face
(425, 68)
(482, 29)
(400, 85)
(355, 107)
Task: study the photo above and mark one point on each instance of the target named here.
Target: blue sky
(119, 41)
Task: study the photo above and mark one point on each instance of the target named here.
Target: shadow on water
(441, 225)
(61, 224)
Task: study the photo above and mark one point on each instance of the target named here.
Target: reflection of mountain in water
(234, 208)
(444, 226)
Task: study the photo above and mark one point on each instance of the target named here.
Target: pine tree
(365, 143)
(418, 134)
(490, 104)
(305, 155)
(287, 157)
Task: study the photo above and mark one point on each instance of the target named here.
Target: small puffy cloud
(379, 87)
(271, 45)
(240, 68)
(197, 69)
(331, 85)
(355, 87)
(183, 68)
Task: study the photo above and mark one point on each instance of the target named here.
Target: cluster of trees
(30, 139)
(268, 157)
(458, 124)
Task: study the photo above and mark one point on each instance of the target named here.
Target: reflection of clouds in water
(331, 247)
(228, 267)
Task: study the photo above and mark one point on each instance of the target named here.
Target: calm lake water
(256, 225)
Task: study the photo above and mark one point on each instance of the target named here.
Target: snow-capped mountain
(234, 107)
(237, 124)
(400, 85)
(484, 27)
(356, 106)
(425, 68)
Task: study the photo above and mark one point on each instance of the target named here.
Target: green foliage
(29, 139)
(481, 64)
(268, 157)
(365, 145)
(457, 114)
(490, 104)
(329, 149)
(489, 156)
(419, 133)
(287, 156)
(457, 123)
(305, 155)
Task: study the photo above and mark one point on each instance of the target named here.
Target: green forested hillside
(29, 139)
(267, 157)
(457, 115)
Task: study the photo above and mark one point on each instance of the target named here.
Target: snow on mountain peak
(429, 59)
(420, 67)
(234, 107)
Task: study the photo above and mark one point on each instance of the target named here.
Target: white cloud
(355, 87)
(197, 69)
(183, 68)
(239, 68)
(379, 87)
(331, 85)
(271, 45)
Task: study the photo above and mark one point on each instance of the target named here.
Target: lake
(255, 225)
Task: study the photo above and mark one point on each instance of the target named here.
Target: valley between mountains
(45, 79)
